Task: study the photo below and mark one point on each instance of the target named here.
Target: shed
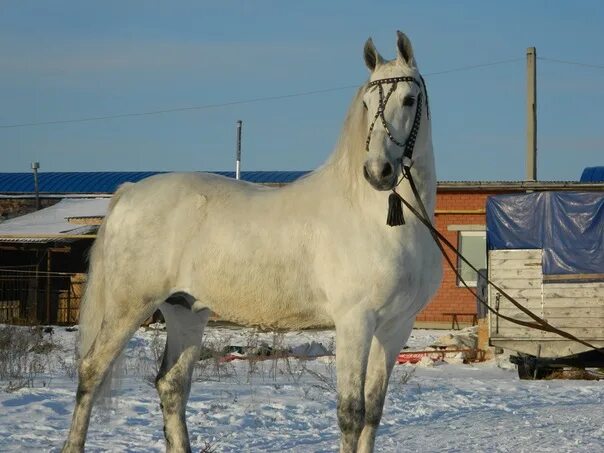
(546, 249)
(42, 260)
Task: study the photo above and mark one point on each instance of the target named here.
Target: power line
(178, 109)
(231, 103)
(574, 63)
(467, 68)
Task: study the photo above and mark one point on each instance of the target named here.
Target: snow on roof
(53, 220)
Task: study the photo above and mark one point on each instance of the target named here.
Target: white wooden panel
(573, 290)
(514, 264)
(531, 272)
(596, 323)
(520, 283)
(574, 312)
(520, 254)
(573, 303)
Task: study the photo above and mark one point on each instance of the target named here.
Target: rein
(395, 209)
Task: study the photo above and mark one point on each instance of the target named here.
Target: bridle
(395, 209)
(409, 143)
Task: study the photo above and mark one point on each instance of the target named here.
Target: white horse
(314, 253)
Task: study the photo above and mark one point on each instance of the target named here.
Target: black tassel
(395, 210)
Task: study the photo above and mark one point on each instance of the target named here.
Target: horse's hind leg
(116, 329)
(173, 382)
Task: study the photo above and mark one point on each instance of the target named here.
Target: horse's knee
(351, 414)
(89, 378)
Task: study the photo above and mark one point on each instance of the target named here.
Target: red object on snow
(411, 357)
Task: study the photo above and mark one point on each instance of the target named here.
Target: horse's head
(394, 99)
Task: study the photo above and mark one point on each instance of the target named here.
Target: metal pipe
(34, 167)
(48, 287)
(238, 151)
(531, 114)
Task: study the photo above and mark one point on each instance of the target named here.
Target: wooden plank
(517, 254)
(524, 283)
(500, 273)
(574, 312)
(514, 312)
(573, 290)
(528, 293)
(509, 309)
(508, 329)
(574, 303)
(584, 333)
(514, 264)
(595, 324)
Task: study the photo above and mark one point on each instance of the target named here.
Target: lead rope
(540, 324)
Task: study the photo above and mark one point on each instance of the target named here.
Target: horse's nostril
(387, 171)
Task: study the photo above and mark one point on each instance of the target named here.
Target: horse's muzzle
(380, 174)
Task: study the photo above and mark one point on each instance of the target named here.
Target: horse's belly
(273, 295)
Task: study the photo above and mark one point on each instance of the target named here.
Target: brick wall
(450, 297)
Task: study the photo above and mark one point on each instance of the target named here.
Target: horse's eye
(408, 101)
(365, 105)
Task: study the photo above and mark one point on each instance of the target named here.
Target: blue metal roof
(108, 181)
(593, 174)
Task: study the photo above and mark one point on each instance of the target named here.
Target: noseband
(408, 144)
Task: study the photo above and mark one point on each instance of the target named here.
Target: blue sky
(69, 59)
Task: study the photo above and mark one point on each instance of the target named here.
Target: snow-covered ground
(289, 405)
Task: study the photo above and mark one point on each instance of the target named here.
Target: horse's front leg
(354, 331)
(389, 339)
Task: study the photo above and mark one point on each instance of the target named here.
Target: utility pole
(238, 152)
(531, 114)
(34, 167)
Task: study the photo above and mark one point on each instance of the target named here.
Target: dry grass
(576, 374)
(24, 356)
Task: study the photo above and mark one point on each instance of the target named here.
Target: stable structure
(546, 250)
(43, 261)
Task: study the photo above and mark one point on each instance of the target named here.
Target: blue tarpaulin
(568, 226)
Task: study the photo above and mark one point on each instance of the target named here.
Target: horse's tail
(92, 308)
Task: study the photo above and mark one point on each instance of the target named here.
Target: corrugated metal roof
(593, 174)
(108, 181)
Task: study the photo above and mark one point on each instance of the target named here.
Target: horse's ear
(372, 56)
(405, 51)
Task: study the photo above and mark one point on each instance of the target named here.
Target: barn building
(42, 274)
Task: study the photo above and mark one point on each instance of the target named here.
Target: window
(473, 246)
